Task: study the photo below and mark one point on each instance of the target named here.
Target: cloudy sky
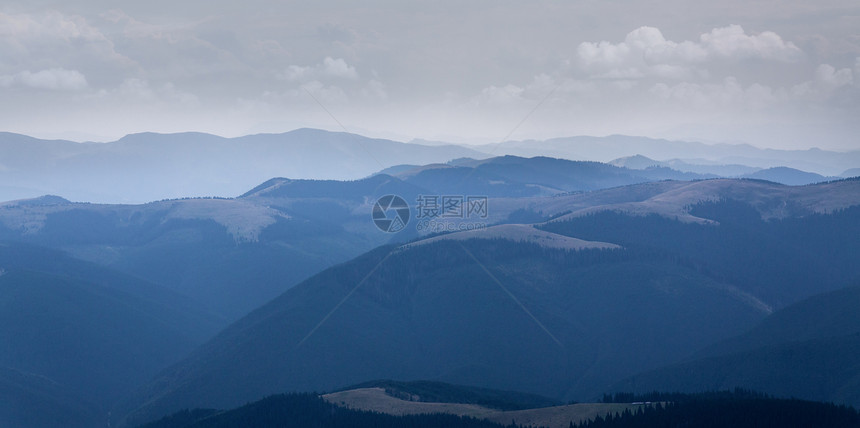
(773, 73)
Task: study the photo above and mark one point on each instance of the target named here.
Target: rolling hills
(148, 167)
(234, 255)
(230, 255)
(690, 264)
(605, 149)
(74, 337)
(587, 274)
(513, 176)
(556, 322)
(807, 350)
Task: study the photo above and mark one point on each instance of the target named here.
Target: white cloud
(645, 52)
(501, 95)
(295, 73)
(430, 66)
(58, 79)
(332, 81)
(136, 89)
(326, 94)
(828, 76)
(52, 40)
(338, 68)
(733, 42)
(857, 69)
(50, 25)
(375, 90)
(329, 68)
(826, 80)
(729, 94)
(140, 90)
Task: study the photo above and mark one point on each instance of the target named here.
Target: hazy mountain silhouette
(808, 350)
(605, 149)
(853, 172)
(233, 255)
(412, 319)
(148, 166)
(32, 400)
(789, 176)
(230, 255)
(697, 166)
(729, 255)
(781, 174)
(512, 176)
(75, 337)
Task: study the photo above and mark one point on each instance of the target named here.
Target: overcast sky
(782, 74)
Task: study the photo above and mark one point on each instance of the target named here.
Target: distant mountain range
(694, 263)
(281, 231)
(149, 167)
(513, 176)
(605, 149)
(779, 174)
(853, 172)
(76, 337)
(229, 255)
(582, 274)
(810, 350)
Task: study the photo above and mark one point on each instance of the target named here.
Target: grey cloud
(328, 68)
(469, 71)
(646, 52)
(54, 79)
(52, 40)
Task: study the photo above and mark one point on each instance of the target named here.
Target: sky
(778, 74)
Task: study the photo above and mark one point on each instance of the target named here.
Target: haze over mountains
(543, 214)
(808, 349)
(579, 318)
(148, 167)
(283, 230)
(580, 278)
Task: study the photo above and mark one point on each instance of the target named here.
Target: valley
(580, 279)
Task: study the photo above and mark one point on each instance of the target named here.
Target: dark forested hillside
(808, 350)
(229, 255)
(780, 261)
(34, 401)
(558, 323)
(308, 411)
(739, 409)
(74, 337)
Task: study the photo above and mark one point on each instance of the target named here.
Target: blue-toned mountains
(629, 278)
(146, 167)
(807, 350)
(74, 337)
(236, 254)
(490, 312)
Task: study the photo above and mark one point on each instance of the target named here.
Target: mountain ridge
(195, 164)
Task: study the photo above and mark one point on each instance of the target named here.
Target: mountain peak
(46, 200)
(636, 162)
